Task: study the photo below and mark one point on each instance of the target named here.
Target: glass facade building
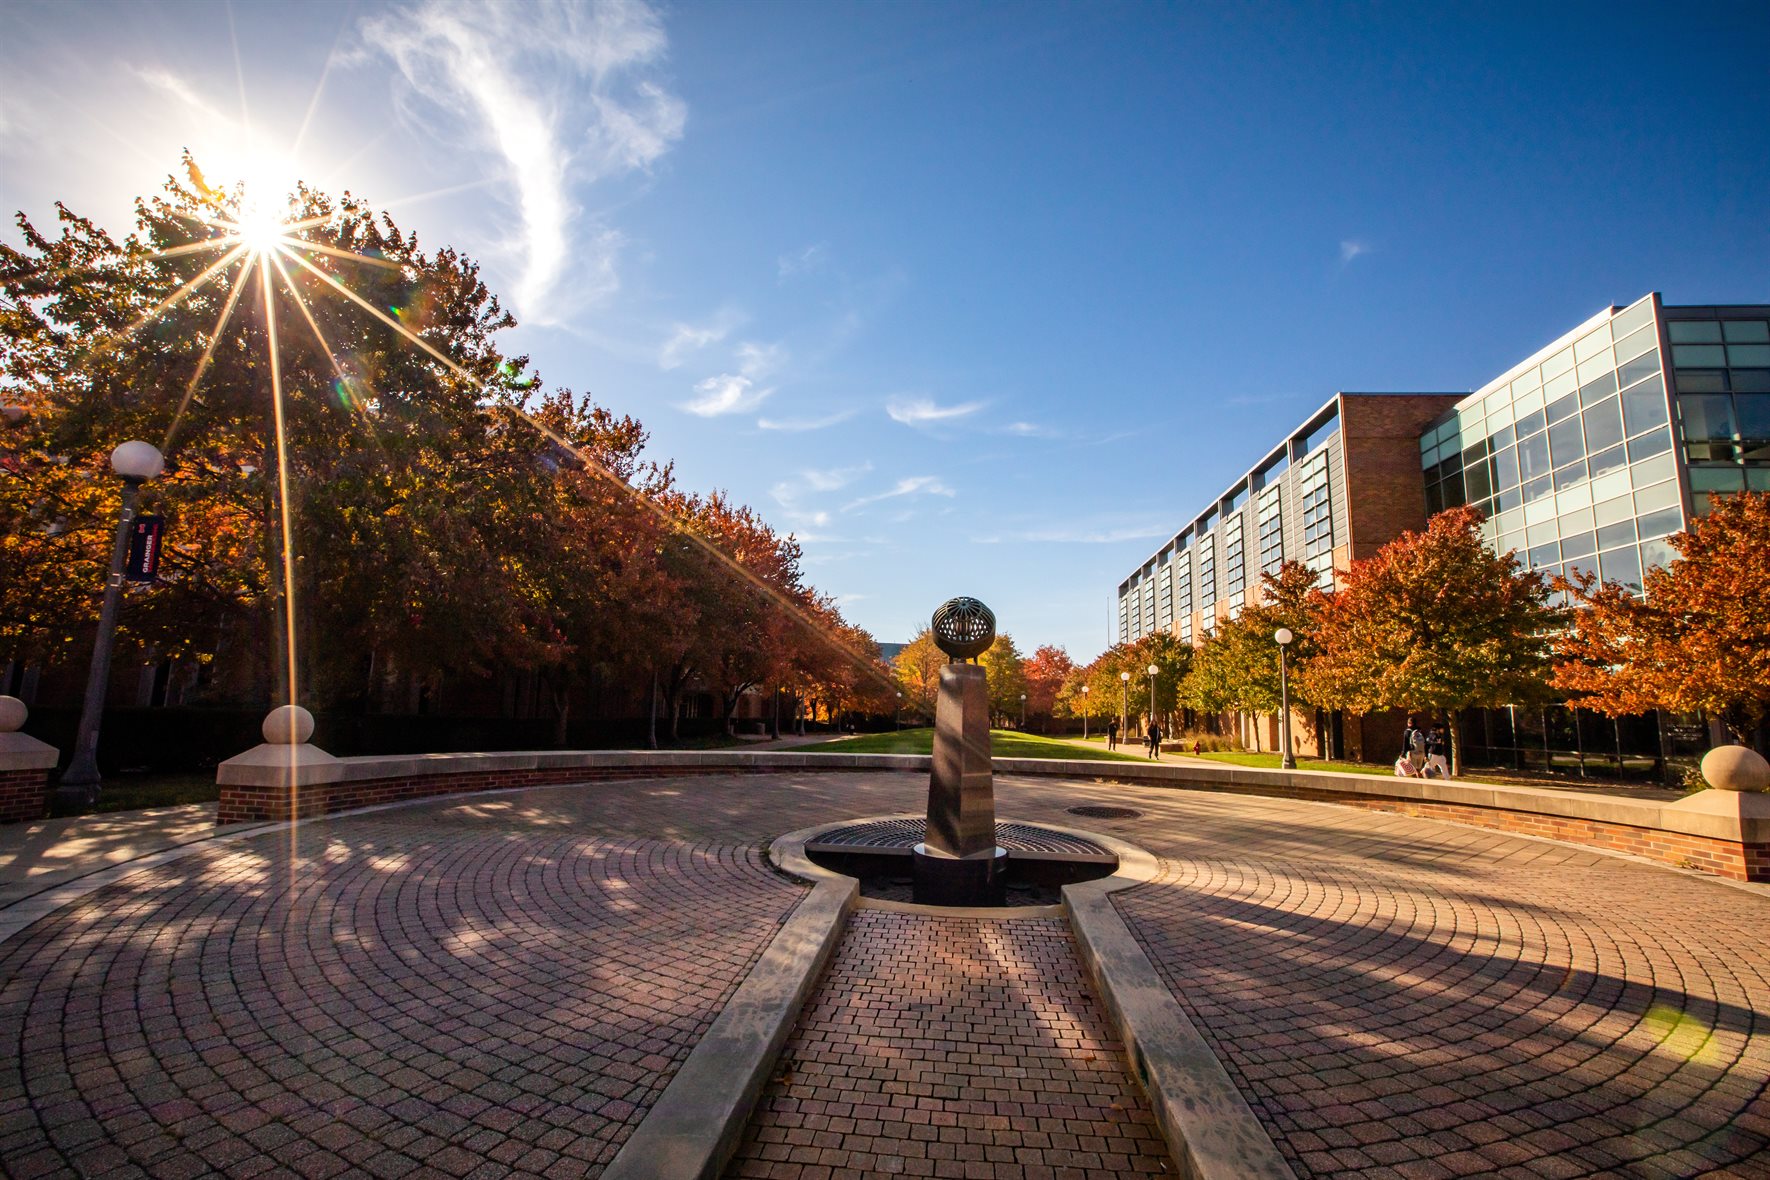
(1591, 452)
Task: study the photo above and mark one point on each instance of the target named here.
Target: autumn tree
(1697, 642)
(1006, 669)
(917, 668)
(1046, 671)
(1434, 621)
(447, 513)
(1237, 666)
(1108, 693)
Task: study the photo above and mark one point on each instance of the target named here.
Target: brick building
(1587, 454)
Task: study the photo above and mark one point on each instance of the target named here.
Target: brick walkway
(952, 1047)
(503, 984)
(1399, 998)
(426, 993)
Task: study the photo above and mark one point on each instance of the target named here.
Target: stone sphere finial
(1736, 768)
(12, 714)
(964, 628)
(288, 725)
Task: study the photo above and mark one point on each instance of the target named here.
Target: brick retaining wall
(24, 795)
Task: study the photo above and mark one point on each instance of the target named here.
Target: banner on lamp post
(144, 548)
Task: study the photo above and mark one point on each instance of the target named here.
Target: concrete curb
(1211, 1131)
(694, 1127)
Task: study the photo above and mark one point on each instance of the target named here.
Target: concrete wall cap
(21, 751)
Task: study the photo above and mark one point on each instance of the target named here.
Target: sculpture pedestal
(958, 863)
(979, 880)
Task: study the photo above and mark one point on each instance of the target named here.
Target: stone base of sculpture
(980, 880)
(958, 862)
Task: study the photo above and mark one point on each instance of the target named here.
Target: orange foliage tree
(1698, 642)
(1433, 621)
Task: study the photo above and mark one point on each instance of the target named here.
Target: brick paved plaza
(504, 985)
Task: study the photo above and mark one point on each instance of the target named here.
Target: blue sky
(977, 299)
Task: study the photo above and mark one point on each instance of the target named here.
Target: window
(1644, 406)
(1207, 575)
(1603, 425)
(1235, 566)
(1694, 332)
(1164, 597)
(1318, 516)
(1272, 529)
(1706, 416)
(1124, 617)
(1183, 593)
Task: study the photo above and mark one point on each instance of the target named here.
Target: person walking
(1437, 751)
(1112, 734)
(1155, 740)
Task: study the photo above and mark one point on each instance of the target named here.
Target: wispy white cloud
(562, 93)
(802, 261)
(728, 393)
(797, 425)
(913, 485)
(1351, 248)
(832, 478)
(922, 411)
(759, 360)
(1029, 430)
(686, 339)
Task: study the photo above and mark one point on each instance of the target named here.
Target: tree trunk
(651, 732)
(562, 712)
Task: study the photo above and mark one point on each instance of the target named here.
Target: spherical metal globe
(964, 628)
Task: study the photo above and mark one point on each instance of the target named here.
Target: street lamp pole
(135, 463)
(1125, 704)
(1152, 671)
(1084, 712)
(1283, 638)
(897, 716)
(1022, 712)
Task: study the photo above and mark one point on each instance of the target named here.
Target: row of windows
(1236, 568)
(1605, 508)
(1271, 530)
(1318, 515)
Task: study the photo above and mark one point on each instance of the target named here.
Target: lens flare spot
(1680, 1035)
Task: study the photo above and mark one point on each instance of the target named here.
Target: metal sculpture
(963, 628)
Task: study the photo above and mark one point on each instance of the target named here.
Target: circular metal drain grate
(1099, 811)
(902, 833)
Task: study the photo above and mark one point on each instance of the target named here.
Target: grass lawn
(1004, 743)
(131, 792)
(1270, 762)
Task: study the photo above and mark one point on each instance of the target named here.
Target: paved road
(502, 986)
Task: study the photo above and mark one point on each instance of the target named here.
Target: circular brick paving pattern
(1404, 999)
(384, 997)
(502, 984)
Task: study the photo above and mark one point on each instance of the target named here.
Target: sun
(258, 228)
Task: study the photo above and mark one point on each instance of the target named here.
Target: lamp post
(1152, 671)
(135, 463)
(1022, 712)
(1084, 712)
(1283, 638)
(897, 716)
(1125, 704)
